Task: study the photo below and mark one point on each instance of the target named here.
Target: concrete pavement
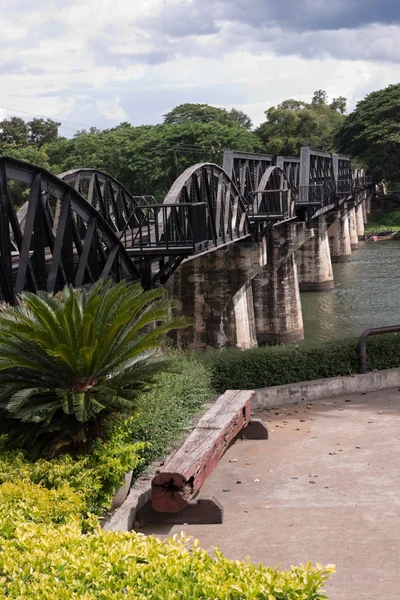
(325, 487)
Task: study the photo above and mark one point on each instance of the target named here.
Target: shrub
(94, 476)
(166, 410)
(69, 361)
(277, 365)
(69, 565)
(129, 444)
(22, 503)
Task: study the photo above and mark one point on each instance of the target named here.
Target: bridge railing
(317, 195)
(271, 205)
(167, 229)
(344, 187)
(361, 182)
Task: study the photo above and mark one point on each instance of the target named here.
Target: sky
(96, 63)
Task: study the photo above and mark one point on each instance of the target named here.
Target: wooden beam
(184, 474)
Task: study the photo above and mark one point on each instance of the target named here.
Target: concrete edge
(123, 519)
(319, 389)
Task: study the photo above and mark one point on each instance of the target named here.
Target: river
(366, 294)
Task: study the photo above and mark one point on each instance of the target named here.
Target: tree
(71, 361)
(148, 159)
(371, 133)
(240, 117)
(293, 124)
(319, 97)
(13, 131)
(42, 131)
(204, 113)
(339, 104)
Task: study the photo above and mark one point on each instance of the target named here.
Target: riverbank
(386, 217)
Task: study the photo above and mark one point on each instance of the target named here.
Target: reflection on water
(366, 294)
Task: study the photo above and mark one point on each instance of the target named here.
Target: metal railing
(363, 342)
(166, 229)
(317, 194)
(269, 205)
(344, 187)
(361, 182)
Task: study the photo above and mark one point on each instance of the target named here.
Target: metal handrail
(363, 342)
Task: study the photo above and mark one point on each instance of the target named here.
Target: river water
(366, 294)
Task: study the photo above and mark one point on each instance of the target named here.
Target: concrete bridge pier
(353, 229)
(276, 293)
(314, 260)
(339, 238)
(359, 221)
(368, 202)
(364, 207)
(214, 290)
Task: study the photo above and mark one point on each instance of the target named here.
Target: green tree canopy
(42, 131)
(37, 132)
(13, 131)
(148, 159)
(371, 133)
(293, 124)
(204, 113)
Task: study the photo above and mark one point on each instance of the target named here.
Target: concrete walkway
(325, 487)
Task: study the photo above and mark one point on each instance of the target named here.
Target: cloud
(196, 17)
(100, 61)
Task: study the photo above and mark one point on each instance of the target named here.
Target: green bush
(22, 503)
(278, 365)
(69, 361)
(163, 414)
(59, 562)
(165, 411)
(94, 476)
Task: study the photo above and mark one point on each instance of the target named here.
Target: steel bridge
(84, 225)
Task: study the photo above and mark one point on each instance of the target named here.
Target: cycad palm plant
(68, 362)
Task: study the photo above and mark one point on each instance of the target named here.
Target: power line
(24, 112)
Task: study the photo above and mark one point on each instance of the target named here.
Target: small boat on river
(380, 236)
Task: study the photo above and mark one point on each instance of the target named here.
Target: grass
(167, 410)
(383, 219)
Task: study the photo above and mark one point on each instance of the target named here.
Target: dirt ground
(324, 487)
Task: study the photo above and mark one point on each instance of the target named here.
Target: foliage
(94, 476)
(130, 444)
(383, 218)
(16, 132)
(148, 159)
(104, 565)
(279, 365)
(167, 408)
(371, 133)
(42, 131)
(22, 502)
(13, 131)
(68, 362)
(32, 154)
(293, 124)
(204, 113)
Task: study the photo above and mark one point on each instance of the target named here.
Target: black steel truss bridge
(83, 225)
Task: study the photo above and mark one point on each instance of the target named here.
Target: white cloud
(100, 62)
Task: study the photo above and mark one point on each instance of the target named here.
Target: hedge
(42, 558)
(277, 365)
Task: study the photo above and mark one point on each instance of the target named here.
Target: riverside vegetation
(86, 397)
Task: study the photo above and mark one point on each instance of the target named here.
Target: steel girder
(61, 240)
